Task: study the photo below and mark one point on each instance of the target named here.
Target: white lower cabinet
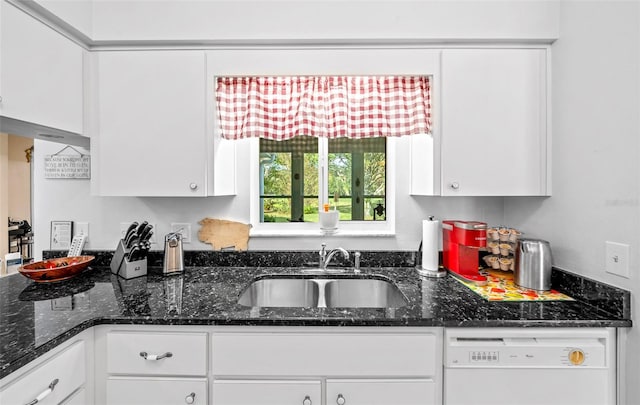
(266, 392)
(172, 353)
(381, 392)
(156, 391)
(263, 365)
(58, 377)
(152, 366)
(338, 391)
(343, 366)
(77, 398)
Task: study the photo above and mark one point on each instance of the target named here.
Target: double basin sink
(322, 293)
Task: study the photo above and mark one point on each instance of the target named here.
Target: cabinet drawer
(78, 398)
(252, 392)
(344, 354)
(67, 367)
(381, 392)
(156, 391)
(166, 353)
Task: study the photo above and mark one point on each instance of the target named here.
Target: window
(291, 174)
(322, 139)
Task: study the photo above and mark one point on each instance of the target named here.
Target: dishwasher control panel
(525, 352)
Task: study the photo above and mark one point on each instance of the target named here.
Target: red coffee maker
(460, 243)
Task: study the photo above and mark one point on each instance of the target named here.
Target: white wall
(62, 199)
(77, 13)
(324, 19)
(596, 151)
(339, 20)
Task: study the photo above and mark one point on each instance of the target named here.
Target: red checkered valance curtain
(280, 108)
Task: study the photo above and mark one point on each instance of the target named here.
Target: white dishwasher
(530, 366)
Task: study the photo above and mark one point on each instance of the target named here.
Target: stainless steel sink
(362, 293)
(281, 292)
(321, 292)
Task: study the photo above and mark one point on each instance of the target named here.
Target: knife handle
(145, 232)
(130, 230)
(132, 240)
(142, 226)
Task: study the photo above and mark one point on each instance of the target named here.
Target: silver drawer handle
(340, 400)
(306, 400)
(191, 398)
(147, 356)
(44, 393)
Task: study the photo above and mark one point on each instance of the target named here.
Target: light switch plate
(186, 230)
(617, 258)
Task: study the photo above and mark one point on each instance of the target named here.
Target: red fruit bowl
(58, 269)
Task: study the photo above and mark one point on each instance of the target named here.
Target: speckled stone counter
(34, 318)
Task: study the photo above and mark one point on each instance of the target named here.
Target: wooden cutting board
(224, 234)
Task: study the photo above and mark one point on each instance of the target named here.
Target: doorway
(16, 184)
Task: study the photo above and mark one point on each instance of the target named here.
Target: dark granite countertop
(34, 317)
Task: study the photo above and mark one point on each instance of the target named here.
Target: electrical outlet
(617, 259)
(154, 237)
(123, 228)
(81, 228)
(125, 225)
(186, 230)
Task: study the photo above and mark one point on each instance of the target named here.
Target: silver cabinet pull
(44, 393)
(191, 398)
(455, 185)
(193, 186)
(340, 400)
(306, 400)
(147, 356)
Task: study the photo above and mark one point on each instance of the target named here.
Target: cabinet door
(494, 138)
(78, 398)
(381, 392)
(182, 353)
(41, 73)
(50, 382)
(151, 123)
(156, 391)
(267, 392)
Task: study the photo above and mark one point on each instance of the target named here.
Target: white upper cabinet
(41, 73)
(494, 122)
(150, 123)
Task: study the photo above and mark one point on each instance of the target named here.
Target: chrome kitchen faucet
(325, 258)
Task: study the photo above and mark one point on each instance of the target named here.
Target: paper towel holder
(433, 273)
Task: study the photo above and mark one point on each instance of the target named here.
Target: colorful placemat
(501, 287)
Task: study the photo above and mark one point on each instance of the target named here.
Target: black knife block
(123, 267)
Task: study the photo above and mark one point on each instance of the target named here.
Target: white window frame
(345, 228)
(324, 61)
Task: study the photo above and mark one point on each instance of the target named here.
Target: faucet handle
(356, 264)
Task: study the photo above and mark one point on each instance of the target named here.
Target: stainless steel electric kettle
(533, 264)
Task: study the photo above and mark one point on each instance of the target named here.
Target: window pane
(357, 175)
(276, 209)
(289, 180)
